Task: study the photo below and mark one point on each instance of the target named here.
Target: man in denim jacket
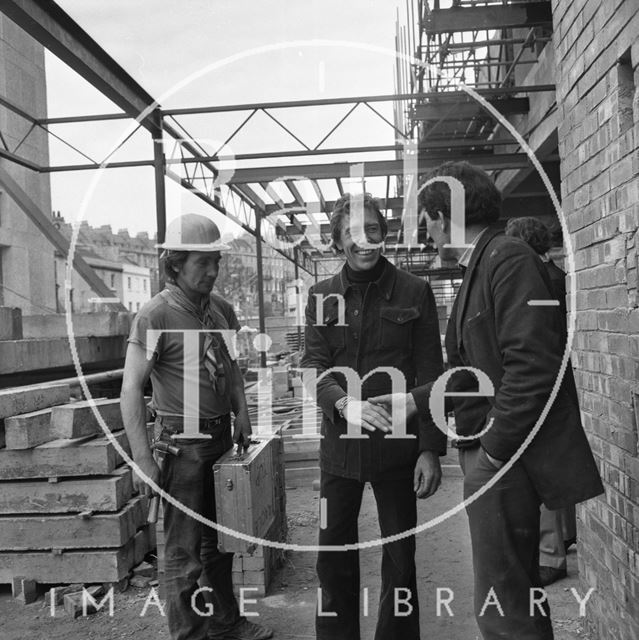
(370, 315)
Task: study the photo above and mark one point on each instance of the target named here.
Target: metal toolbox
(246, 494)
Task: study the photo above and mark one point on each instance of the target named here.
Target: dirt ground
(443, 560)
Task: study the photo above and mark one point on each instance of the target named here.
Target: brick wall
(597, 50)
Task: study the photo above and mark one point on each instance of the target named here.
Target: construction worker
(164, 333)
(388, 319)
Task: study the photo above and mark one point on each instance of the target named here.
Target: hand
(428, 474)
(498, 464)
(387, 402)
(150, 468)
(369, 416)
(242, 432)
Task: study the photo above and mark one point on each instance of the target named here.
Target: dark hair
(481, 196)
(172, 262)
(342, 209)
(532, 231)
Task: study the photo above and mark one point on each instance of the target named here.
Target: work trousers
(556, 527)
(191, 552)
(338, 571)
(504, 531)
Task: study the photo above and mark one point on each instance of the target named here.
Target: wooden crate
(246, 493)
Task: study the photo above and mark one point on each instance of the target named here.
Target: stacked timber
(67, 509)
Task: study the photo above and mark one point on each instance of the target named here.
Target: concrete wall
(597, 52)
(83, 325)
(27, 262)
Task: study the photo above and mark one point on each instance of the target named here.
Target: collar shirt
(464, 260)
(159, 329)
(391, 322)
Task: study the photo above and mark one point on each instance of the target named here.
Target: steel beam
(260, 279)
(23, 162)
(389, 203)
(492, 91)
(509, 16)
(375, 168)
(47, 23)
(48, 229)
(349, 100)
(159, 170)
(449, 110)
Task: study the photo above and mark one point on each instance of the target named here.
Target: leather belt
(208, 426)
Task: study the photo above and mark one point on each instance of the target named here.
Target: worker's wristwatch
(340, 405)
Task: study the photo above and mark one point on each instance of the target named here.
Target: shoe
(568, 543)
(243, 630)
(548, 575)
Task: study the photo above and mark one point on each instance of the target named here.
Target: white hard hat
(193, 232)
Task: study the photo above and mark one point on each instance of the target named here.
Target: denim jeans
(338, 571)
(190, 547)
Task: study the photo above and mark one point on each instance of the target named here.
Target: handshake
(376, 413)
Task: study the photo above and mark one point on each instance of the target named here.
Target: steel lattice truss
(283, 195)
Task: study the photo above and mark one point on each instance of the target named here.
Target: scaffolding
(448, 52)
(483, 45)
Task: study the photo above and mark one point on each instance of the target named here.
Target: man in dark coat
(558, 528)
(370, 315)
(529, 424)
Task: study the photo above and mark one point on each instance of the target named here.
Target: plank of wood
(102, 493)
(61, 458)
(77, 419)
(77, 566)
(19, 400)
(42, 532)
(296, 450)
(28, 429)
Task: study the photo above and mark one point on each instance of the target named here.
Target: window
(627, 89)
(128, 283)
(144, 284)
(112, 281)
(130, 306)
(137, 306)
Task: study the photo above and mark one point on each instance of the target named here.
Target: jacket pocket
(334, 334)
(396, 326)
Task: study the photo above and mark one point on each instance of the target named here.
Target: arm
(242, 430)
(137, 369)
(317, 356)
(528, 338)
(429, 365)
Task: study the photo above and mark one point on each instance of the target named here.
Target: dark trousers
(338, 571)
(504, 531)
(191, 548)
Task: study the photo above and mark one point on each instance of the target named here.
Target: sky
(176, 51)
